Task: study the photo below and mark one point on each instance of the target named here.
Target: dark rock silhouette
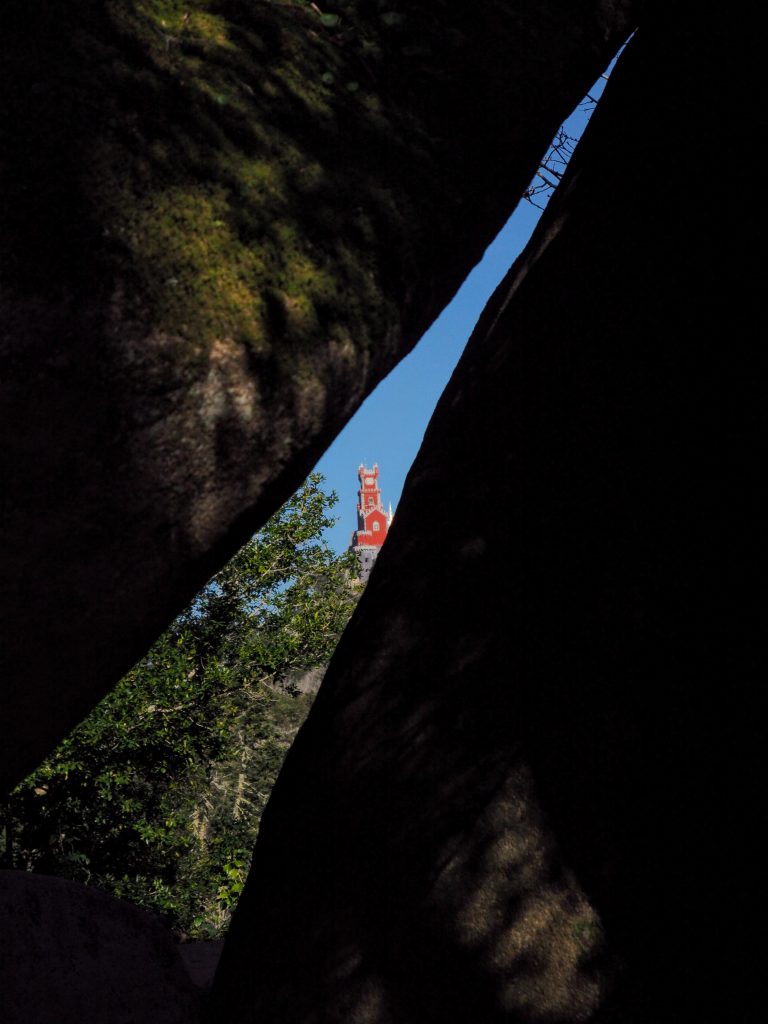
(518, 805)
(221, 226)
(73, 955)
(200, 960)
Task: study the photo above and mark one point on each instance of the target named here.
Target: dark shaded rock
(70, 954)
(200, 960)
(514, 797)
(221, 226)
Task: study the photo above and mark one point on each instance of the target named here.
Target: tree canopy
(158, 794)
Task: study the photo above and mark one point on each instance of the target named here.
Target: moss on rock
(221, 223)
(205, 171)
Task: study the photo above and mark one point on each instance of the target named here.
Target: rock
(517, 796)
(201, 960)
(70, 954)
(306, 680)
(212, 250)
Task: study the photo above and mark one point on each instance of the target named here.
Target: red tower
(372, 521)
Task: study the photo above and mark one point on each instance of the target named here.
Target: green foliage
(158, 794)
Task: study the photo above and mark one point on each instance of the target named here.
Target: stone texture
(70, 954)
(514, 797)
(221, 226)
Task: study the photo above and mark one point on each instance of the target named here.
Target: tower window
(377, 526)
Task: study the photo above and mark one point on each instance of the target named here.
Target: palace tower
(372, 521)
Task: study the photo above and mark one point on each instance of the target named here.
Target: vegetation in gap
(157, 796)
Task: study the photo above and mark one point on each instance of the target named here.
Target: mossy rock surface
(194, 155)
(222, 222)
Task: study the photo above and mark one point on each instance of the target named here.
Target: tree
(225, 223)
(158, 794)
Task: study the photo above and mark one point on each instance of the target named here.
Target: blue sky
(390, 425)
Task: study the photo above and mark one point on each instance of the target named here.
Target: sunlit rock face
(222, 224)
(514, 797)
